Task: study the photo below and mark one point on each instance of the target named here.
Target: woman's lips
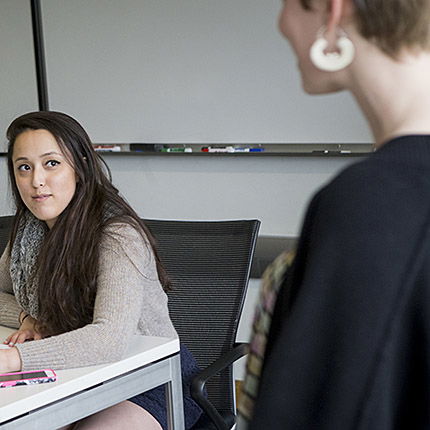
(41, 197)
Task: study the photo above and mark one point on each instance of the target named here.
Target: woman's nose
(39, 179)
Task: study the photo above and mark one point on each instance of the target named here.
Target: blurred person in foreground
(348, 344)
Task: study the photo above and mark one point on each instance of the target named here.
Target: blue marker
(248, 149)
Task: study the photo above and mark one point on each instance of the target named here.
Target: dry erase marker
(176, 149)
(248, 149)
(107, 148)
(326, 151)
(218, 149)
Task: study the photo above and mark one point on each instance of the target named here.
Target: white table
(77, 393)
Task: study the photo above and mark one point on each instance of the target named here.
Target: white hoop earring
(332, 61)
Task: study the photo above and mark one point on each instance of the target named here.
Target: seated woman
(81, 274)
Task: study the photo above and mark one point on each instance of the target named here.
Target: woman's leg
(124, 415)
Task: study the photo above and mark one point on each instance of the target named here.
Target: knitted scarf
(25, 251)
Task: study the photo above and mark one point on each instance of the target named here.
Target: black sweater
(349, 345)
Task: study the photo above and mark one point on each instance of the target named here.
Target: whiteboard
(18, 85)
(185, 71)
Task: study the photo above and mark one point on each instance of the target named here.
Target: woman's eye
(52, 163)
(24, 167)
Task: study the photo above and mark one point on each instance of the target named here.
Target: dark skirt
(154, 401)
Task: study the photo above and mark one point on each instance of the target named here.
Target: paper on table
(3, 346)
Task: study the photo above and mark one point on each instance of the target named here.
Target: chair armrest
(199, 381)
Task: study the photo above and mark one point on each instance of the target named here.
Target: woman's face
(300, 27)
(45, 179)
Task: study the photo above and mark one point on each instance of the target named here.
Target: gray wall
(18, 91)
(272, 189)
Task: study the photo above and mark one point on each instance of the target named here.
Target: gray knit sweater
(129, 300)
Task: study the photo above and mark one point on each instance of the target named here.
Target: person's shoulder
(372, 195)
(127, 234)
(128, 243)
(359, 193)
(367, 184)
(123, 229)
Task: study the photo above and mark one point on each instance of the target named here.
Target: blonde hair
(392, 24)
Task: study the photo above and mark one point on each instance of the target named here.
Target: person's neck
(394, 95)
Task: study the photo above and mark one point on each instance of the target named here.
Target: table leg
(174, 399)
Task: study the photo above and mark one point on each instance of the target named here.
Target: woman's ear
(339, 14)
(334, 15)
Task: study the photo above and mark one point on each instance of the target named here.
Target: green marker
(176, 149)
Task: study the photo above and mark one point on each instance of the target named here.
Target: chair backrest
(5, 228)
(209, 264)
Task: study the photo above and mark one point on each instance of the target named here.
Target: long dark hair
(68, 261)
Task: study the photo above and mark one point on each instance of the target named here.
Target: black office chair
(5, 228)
(209, 264)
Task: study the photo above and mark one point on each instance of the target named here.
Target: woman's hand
(27, 331)
(10, 360)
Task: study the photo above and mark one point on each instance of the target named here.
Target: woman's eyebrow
(46, 154)
(50, 153)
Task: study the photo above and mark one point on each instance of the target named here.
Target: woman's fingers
(14, 338)
(11, 338)
(21, 336)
